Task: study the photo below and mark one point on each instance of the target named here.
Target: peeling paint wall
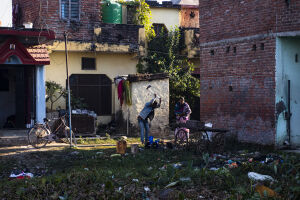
(287, 68)
(140, 96)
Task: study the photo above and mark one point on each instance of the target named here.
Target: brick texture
(46, 14)
(237, 64)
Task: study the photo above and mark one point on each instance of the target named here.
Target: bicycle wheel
(67, 137)
(181, 138)
(38, 136)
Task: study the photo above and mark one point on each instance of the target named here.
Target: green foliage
(78, 103)
(164, 55)
(54, 92)
(143, 15)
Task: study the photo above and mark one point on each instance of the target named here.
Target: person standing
(145, 115)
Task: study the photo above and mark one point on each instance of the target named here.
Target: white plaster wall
(140, 96)
(6, 13)
(168, 16)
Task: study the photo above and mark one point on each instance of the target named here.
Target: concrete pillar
(40, 94)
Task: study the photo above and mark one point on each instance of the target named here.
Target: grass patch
(106, 140)
(91, 173)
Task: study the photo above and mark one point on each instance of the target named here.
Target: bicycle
(181, 133)
(40, 134)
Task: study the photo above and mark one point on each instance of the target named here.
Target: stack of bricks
(237, 63)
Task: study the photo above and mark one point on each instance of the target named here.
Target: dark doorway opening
(17, 99)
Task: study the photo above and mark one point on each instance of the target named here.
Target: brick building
(249, 52)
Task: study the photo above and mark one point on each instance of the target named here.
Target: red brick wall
(238, 89)
(223, 19)
(46, 14)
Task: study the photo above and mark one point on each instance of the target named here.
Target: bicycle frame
(51, 135)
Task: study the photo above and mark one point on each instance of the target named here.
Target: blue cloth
(144, 125)
(147, 109)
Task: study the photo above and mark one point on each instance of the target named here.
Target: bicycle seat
(46, 120)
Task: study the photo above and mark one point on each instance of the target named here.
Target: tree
(164, 55)
(54, 92)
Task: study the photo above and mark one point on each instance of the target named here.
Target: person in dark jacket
(145, 115)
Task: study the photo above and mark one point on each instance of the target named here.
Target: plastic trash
(147, 189)
(100, 152)
(210, 134)
(115, 155)
(213, 169)
(265, 191)
(75, 153)
(185, 179)
(151, 140)
(172, 184)
(21, 175)
(177, 165)
(233, 165)
(134, 148)
(259, 177)
(135, 180)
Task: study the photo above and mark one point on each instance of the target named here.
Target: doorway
(288, 79)
(16, 96)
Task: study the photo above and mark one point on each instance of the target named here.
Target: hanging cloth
(128, 99)
(120, 92)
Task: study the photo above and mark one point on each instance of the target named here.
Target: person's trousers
(144, 125)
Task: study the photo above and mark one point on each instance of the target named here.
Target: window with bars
(69, 9)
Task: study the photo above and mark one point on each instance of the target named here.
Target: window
(88, 63)
(95, 90)
(69, 9)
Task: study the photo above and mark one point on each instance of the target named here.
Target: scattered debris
(147, 189)
(134, 149)
(177, 165)
(74, 153)
(172, 184)
(259, 177)
(135, 180)
(265, 191)
(21, 175)
(115, 155)
(185, 179)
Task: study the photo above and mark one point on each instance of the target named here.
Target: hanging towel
(127, 93)
(120, 92)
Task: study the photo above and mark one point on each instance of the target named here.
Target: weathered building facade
(248, 53)
(97, 51)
